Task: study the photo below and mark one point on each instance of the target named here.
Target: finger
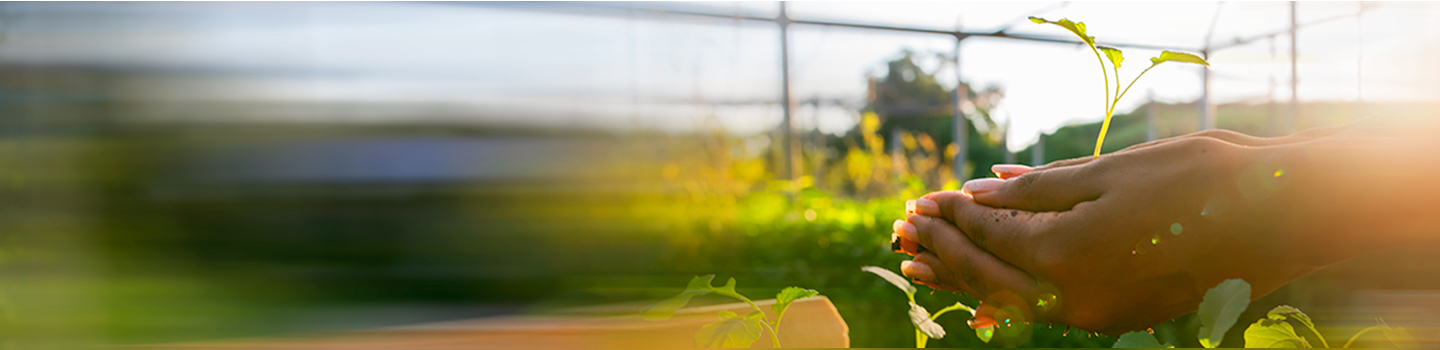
(1064, 163)
(1007, 171)
(917, 270)
(926, 207)
(905, 237)
(1057, 189)
(1005, 233)
(984, 316)
(921, 271)
(953, 260)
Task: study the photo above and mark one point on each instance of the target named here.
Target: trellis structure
(1206, 113)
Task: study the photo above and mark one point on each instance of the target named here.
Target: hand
(1071, 242)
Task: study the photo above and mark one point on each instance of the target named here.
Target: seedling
(1223, 304)
(1116, 57)
(732, 330)
(922, 319)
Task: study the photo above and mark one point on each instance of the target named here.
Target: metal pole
(787, 124)
(1359, 57)
(1037, 151)
(1005, 142)
(1289, 126)
(1270, 114)
(1152, 110)
(1207, 112)
(897, 154)
(962, 125)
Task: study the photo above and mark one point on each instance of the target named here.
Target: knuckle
(1022, 186)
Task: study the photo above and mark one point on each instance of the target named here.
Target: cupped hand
(1113, 244)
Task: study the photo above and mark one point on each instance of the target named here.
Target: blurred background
(183, 172)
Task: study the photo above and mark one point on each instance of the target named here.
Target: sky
(624, 66)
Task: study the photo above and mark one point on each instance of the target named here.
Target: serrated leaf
(731, 331)
(1078, 28)
(1222, 305)
(897, 280)
(1172, 56)
(1113, 54)
(1283, 312)
(985, 333)
(789, 295)
(1134, 340)
(1400, 337)
(1273, 333)
(700, 285)
(921, 318)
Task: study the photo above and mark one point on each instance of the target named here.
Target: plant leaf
(731, 331)
(1273, 333)
(1222, 305)
(985, 333)
(700, 285)
(729, 290)
(1113, 54)
(899, 282)
(1169, 56)
(1075, 27)
(1137, 340)
(921, 318)
(788, 295)
(1282, 312)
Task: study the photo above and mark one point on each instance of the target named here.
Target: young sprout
(732, 330)
(1116, 57)
(924, 322)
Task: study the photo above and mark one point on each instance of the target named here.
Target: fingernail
(982, 185)
(1009, 169)
(926, 207)
(979, 322)
(916, 270)
(906, 230)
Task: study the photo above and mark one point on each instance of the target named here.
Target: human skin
(1264, 210)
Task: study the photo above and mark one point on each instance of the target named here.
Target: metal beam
(787, 126)
(1293, 27)
(962, 124)
(1288, 125)
(955, 33)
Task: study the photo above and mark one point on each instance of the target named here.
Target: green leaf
(1169, 56)
(1137, 340)
(1282, 312)
(788, 295)
(899, 282)
(1113, 54)
(1075, 27)
(1222, 305)
(731, 331)
(700, 285)
(1273, 333)
(729, 290)
(985, 333)
(921, 318)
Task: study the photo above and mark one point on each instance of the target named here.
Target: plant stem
(774, 337)
(1362, 331)
(1116, 101)
(920, 339)
(1105, 74)
(957, 306)
(1132, 82)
